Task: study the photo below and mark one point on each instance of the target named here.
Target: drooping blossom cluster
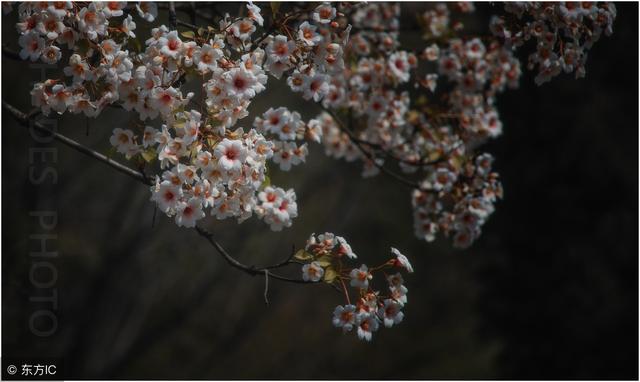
(462, 215)
(563, 33)
(431, 142)
(434, 136)
(326, 258)
(416, 114)
(476, 73)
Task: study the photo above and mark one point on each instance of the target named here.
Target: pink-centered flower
(231, 154)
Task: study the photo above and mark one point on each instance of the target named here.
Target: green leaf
(210, 30)
(135, 44)
(211, 142)
(266, 183)
(149, 155)
(330, 275)
(303, 255)
(188, 34)
(324, 261)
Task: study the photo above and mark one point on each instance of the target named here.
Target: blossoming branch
(418, 116)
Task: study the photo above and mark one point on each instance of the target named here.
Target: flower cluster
(312, 57)
(283, 127)
(89, 32)
(419, 115)
(375, 27)
(433, 140)
(207, 161)
(325, 256)
(563, 33)
(456, 208)
(228, 178)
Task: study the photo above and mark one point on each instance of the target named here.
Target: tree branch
(251, 270)
(357, 142)
(185, 24)
(27, 121)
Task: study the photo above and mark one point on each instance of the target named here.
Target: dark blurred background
(550, 290)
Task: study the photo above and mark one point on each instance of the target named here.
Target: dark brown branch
(367, 153)
(287, 261)
(266, 287)
(425, 161)
(26, 121)
(187, 25)
(277, 23)
(421, 163)
(252, 270)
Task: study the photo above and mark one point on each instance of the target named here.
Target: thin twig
(286, 261)
(344, 288)
(185, 24)
(266, 286)
(251, 270)
(367, 153)
(266, 34)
